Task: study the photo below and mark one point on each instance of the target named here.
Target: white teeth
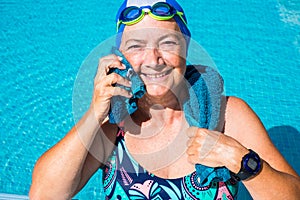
(156, 75)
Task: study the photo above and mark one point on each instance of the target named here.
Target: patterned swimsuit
(125, 179)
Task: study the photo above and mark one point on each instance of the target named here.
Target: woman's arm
(65, 168)
(277, 180)
(58, 173)
(243, 131)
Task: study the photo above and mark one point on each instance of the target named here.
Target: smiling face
(156, 50)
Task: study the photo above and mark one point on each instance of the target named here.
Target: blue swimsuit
(125, 179)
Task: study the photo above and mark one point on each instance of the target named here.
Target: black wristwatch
(251, 165)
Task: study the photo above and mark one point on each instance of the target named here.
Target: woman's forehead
(151, 34)
(148, 23)
(148, 33)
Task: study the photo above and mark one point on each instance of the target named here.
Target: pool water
(255, 45)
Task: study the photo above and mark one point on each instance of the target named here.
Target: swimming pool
(255, 45)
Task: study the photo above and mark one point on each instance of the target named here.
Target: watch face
(252, 164)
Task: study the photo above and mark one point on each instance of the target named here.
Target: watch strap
(250, 166)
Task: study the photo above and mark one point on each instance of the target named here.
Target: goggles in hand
(159, 11)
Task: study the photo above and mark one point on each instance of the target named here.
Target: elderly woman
(153, 152)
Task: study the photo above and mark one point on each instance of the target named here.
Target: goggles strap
(148, 10)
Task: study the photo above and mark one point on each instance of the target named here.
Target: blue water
(255, 45)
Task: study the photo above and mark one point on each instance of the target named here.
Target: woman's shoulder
(240, 119)
(235, 101)
(237, 107)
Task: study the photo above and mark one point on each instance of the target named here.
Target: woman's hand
(214, 149)
(103, 85)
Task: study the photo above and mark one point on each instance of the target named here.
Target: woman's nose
(152, 56)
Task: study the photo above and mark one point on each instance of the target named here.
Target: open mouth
(157, 75)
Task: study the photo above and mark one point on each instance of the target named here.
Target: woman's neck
(156, 102)
(157, 111)
(153, 108)
(153, 121)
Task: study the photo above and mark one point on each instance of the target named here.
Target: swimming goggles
(159, 11)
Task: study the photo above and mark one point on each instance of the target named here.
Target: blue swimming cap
(127, 3)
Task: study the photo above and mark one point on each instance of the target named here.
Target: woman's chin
(157, 90)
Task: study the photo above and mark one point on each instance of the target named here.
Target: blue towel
(202, 108)
(121, 106)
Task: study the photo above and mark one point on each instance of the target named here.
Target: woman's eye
(168, 45)
(133, 47)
